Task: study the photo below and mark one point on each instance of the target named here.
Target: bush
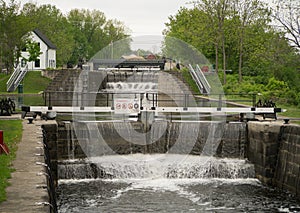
(274, 84)
(273, 89)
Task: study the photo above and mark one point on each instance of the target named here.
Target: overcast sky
(142, 17)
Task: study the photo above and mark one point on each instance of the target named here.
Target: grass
(3, 79)
(12, 132)
(188, 78)
(33, 83)
(291, 112)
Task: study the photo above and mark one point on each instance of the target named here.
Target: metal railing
(203, 80)
(16, 78)
(200, 79)
(106, 99)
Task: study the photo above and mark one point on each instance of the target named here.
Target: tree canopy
(237, 35)
(78, 35)
(240, 35)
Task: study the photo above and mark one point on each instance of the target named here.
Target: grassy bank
(33, 83)
(12, 135)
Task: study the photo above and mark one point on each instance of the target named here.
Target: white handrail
(203, 79)
(16, 78)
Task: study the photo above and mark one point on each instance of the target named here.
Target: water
(70, 140)
(166, 183)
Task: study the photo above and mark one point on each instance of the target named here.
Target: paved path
(23, 195)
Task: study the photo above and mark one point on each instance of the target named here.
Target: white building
(47, 58)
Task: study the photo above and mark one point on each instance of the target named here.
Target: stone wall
(287, 175)
(274, 148)
(263, 147)
(50, 73)
(50, 141)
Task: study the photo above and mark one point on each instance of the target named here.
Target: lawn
(291, 112)
(33, 83)
(12, 131)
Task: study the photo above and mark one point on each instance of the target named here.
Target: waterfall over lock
(118, 150)
(162, 166)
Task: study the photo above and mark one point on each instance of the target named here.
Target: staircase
(16, 78)
(64, 81)
(172, 91)
(200, 79)
(60, 91)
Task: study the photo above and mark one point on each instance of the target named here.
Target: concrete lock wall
(274, 148)
(174, 137)
(63, 142)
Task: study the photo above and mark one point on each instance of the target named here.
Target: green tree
(191, 26)
(13, 27)
(34, 50)
(219, 11)
(49, 20)
(248, 12)
(92, 32)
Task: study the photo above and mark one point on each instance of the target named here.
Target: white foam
(176, 185)
(172, 166)
(167, 172)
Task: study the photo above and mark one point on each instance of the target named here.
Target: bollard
(3, 147)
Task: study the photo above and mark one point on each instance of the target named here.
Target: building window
(37, 63)
(52, 63)
(23, 63)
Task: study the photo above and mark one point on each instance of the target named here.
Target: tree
(54, 25)
(77, 36)
(92, 32)
(218, 11)
(247, 12)
(12, 29)
(193, 27)
(34, 50)
(287, 13)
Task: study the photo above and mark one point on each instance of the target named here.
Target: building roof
(44, 39)
(133, 57)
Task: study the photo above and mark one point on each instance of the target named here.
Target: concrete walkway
(24, 193)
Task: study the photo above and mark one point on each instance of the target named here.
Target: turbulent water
(165, 183)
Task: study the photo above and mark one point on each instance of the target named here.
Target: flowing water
(165, 183)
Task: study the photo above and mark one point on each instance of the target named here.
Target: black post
(186, 98)
(49, 101)
(253, 100)
(107, 98)
(45, 99)
(112, 102)
(220, 102)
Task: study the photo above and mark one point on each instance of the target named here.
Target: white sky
(142, 17)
